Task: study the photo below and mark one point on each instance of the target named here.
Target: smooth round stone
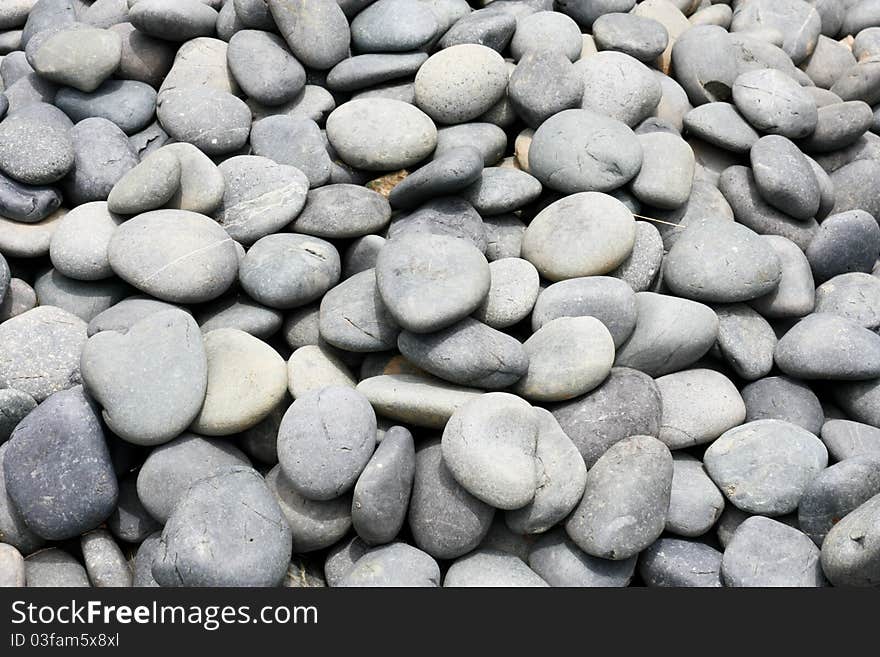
(174, 255)
(637, 36)
(12, 567)
(54, 568)
(460, 83)
(487, 138)
(798, 22)
(720, 124)
(61, 440)
(568, 356)
(131, 522)
(580, 150)
(695, 503)
(166, 352)
(394, 565)
(670, 334)
(790, 456)
(393, 26)
(380, 134)
(584, 234)
(667, 172)
(851, 550)
(79, 246)
(698, 406)
(353, 316)
(491, 568)
(80, 58)
(362, 73)
(103, 156)
(829, 61)
(170, 469)
(148, 186)
(428, 282)
(316, 32)
(240, 312)
(784, 177)
(342, 211)
(294, 142)
(286, 271)
(325, 440)
(14, 407)
(314, 524)
(543, 83)
(201, 183)
(794, 297)
(512, 293)
(560, 562)
(561, 476)
(836, 492)
(704, 62)
(738, 186)
(449, 215)
(840, 124)
(486, 27)
(33, 151)
(765, 553)
(144, 58)
(27, 203)
(106, 565)
(416, 400)
(312, 368)
(846, 439)
(381, 494)
(626, 404)
(84, 299)
(40, 351)
(173, 20)
(361, 255)
(445, 520)
(854, 296)
(781, 398)
(618, 87)
(227, 530)
(448, 173)
(499, 190)
(845, 242)
(674, 562)
(260, 197)
(467, 353)
(264, 68)
(246, 380)
(201, 63)
(772, 102)
(546, 30)
(853, 189)
(489, 447)
(127, 103)
(745, 340)
(214, 121)
(721, 261)
(625, 500)
(826, 346)
(125, 314)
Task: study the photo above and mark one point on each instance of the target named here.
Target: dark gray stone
(393, 26)
(544, 83)
(264, 68)
(353, 316)
(242, 313)
(704, 63)
(103, 155)
(745, 340)
(144, 58)
(14, 407)
(674, 562)
(784, 177)
(143, 561)
(487, 138)
(695, 503)
(54, 568)
(366, 71)
(795, 294)
(447, 173)
(84, 299)
(342, 211)
(500, 190)
(130, 521)
(148, 186)
(855, 187)
(618, 87)
(485, 27)
(173, 20)
(845, 242)
(447, 215)
(129, 104)
(13, 529)
(491, 568)
(27, 203)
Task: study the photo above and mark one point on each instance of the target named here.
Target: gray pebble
(240, 312)
(27, 203)
(213, 120)
(826, 346)
(485, 27)
(853, 188)
(147, 186)
(782, 398)
(12, 567)
(129, 104)
(103, 155)
(201, 182)
(504, 235)
(500, 189)
(353, 316)
(544, 83)
(448, 173)
(794, 296)
(84, 299)
(342, 211)
(667, 172)
(512, 293)
(618, 87)
(851, 551)
(393, 26)
(560, 562)
(720, 124)
(130, 521)
(266, 71)
(798, 23)
(173, 20)
(144, 58)
(695, 503)
(13, 528)
(637, 36)
(394, 565)
(54, 568)
(704, 63)
(33, 151)
(143, 562)
(81, 58)
(487, 138)
(364, 73)
(105, 563)
(846, 439)
(294, 142)
(361, 255)
(447, 215)
(125, 314)
(674, 562)
(491, 568)
(14, 407)
(745, 340)
(784, 177)
(828, 62)
(772, 102)
(845, 242)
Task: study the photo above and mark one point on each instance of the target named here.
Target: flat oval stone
(782, 398)
(698, 406)
(429, 282)
(619, 87)
(491, 568)
(544, 82)
(106, 565)
(486, 27)
(395, 565)
(165, 351)
(794, 297)
(720, 124)
(264, 68)
(790, 458)
(296, 142)
(79, 245)
(845, 242)
(448, 173)
(415, 400)
(851, 551)
(670, 334)
(325, 441)
(674, 562)
(213, 120)
(567, 357)
(342, 211)
(826, 346)
(721, 261)
(61, 440)
(695, 503)
(560, 562)
(625, 500)
(846, 439)
(129, 104)
(637, 36)
(393, 26)
(798, 23)
(33, 151)
(627, 404)
(40, 351)
(27, 203)
(103, 155)
(353, 316)
(562, 240)
(227, 530)
(784, 177)
(836, 492)
(364, 72)
(170, 469)
(448, 215)
(84, 299)
(315, 525)
(380, 134)
(745, 340)
(316, 32)
(500, 189)
(772, 102)
(450, 354)
(546, 30)
(667, 172)
(246, 379)
(175, 21)
(487, 138)
(581, 150)
(840, 125)
(489, 447)
(764, 552)
(512, 293)
(80, 58)
(174, 255)
(460, 83)
(147, 186)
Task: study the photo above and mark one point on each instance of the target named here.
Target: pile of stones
(439, 292)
